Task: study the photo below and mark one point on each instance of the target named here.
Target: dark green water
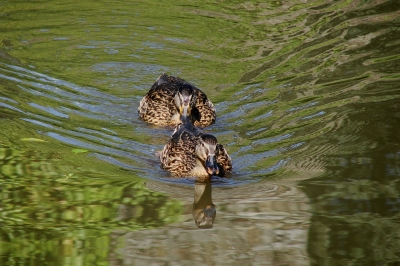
(308, 105)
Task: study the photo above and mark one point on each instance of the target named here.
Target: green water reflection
(356, 202)
(65, 216)
(307, 99)
(356, 213)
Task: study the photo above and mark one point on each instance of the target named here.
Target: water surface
(308, 105)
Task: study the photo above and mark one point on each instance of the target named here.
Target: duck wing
(205, 113)
(223, 159)
(157, 106)
(178, 155)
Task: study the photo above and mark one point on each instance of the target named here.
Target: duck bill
(211, 165)
(185, 110)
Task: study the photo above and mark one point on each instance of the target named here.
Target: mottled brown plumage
(177, 156)
(223, 160)
(190, 152)
(161, 105)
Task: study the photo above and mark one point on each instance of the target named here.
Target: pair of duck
(173, 101)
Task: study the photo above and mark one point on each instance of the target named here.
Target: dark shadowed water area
(307, 95)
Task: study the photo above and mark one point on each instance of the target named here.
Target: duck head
(185, 100)
(206, 150)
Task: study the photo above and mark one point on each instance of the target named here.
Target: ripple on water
(298, 101)
(304, 90)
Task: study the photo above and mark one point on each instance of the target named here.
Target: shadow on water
(307, 99)
(357, 198)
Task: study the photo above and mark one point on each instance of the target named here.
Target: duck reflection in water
(204, 211)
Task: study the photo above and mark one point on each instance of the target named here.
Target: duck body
(190, 152)
(167, 98)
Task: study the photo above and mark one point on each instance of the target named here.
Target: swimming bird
(171, 97)
(190, 152)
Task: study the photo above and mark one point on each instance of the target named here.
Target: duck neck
(199, 170)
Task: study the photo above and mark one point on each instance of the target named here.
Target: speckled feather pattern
(157, 106)
(223, 160)
(206, 110)
(179, 156)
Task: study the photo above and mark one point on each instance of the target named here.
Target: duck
(171, 97)
(192, 153)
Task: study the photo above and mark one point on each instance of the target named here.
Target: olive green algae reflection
(356, 210)
(58, 215)
(308, 88)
